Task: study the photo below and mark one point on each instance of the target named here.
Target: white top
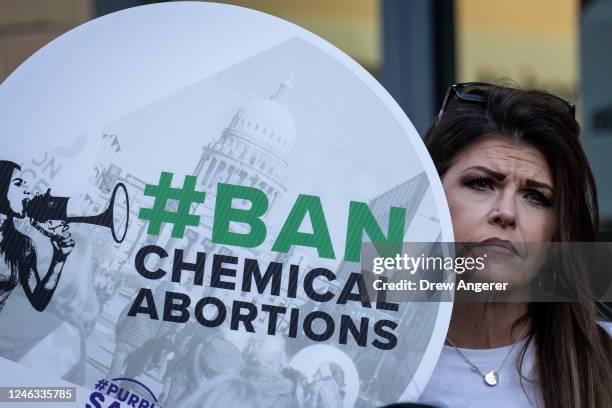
(453, 384)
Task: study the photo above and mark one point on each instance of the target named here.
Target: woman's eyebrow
(18, 179)
(538, 184)
(497, 176)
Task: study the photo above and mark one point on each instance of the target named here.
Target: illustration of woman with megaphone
(49, 216)
(18, 250)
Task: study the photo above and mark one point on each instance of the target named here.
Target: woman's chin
(500, 272)
(18, 213)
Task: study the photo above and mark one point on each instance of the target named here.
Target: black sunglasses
(477, 92)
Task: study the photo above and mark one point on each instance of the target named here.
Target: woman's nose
(504, 212)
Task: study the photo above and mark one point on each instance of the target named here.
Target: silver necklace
(492, 377)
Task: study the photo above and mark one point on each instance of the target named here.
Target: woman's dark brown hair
(573, 353)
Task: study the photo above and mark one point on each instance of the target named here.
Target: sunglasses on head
(477, 92)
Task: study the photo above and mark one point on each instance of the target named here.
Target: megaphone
(45, 207)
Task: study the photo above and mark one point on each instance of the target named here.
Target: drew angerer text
(426, 285)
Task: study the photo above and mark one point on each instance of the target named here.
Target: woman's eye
(480, 183)
(538, 198)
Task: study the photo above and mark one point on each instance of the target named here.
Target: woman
(18, 250)
(514, 172)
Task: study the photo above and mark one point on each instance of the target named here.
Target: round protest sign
(188, 187)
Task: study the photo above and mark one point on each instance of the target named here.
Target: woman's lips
(500, 245)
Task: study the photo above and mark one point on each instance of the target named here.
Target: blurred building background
(415, 48)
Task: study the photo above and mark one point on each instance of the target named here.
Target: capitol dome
(267, 123)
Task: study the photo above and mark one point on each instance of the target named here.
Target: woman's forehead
(16, 174)
(506, 157)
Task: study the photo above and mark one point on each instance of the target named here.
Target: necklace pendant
(491, 378)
